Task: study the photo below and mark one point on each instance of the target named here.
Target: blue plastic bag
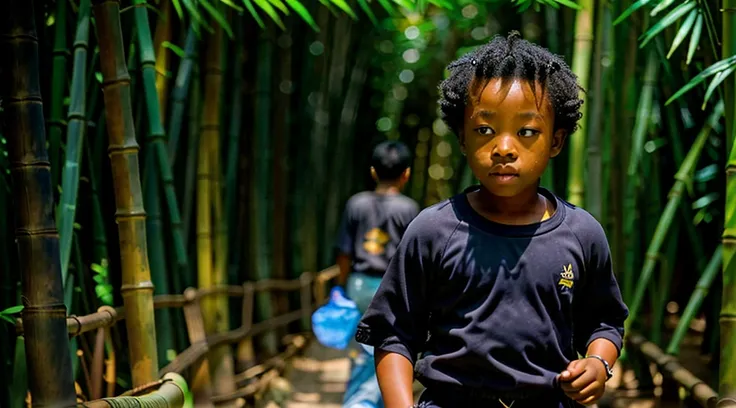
(334, 324)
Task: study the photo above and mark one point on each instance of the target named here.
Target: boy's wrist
(607, 368)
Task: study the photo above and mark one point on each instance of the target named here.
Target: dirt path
(318, 377)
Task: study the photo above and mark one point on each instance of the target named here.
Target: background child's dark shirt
(371, 228)
(506, 307)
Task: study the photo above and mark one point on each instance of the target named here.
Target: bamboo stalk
(261, 233)
(137, 288)
(696, 300)
(727, 367)
(47, 346)
(670, 367)
(156, 133)
(233, 154)
(77, 126)
(180, 92)
(58, 89)
(643, 118)
(682, 178)
(152, 185)
(162, 34)
(581, 67)
(171, 394)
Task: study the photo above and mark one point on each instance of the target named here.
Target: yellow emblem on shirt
(567, 276)
(375, 241)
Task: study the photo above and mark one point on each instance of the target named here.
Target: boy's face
(509, 136)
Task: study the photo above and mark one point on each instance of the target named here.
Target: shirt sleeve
(599, 310)
(397, 319)
(346, 232)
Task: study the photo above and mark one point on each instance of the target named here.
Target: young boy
(371, 228)
(498, 289)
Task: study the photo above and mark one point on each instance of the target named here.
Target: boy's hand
(584, 380)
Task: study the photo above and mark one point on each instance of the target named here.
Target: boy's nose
(505, 148)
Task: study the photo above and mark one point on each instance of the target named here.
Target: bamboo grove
(153, 146)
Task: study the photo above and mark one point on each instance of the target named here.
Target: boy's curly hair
(511, 57)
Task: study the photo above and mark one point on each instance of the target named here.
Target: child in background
(494, 293)
(371, 228)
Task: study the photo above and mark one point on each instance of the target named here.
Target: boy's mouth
(504, 176)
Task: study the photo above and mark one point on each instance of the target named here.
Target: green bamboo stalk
(58, 89)
(233, 154)
(696, 300)
(156, 134)
(190, 175)
(581, 67)
(180, 92)
(728, 49)
(44, 314)
(77, 127)
(682, 178)
(643, 118)
(137, 288)
(727, 367)
(261, 234)
(152, 188)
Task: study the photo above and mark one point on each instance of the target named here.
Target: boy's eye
(484, 130)
(528, 132)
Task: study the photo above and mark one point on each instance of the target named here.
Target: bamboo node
(57, 310)
(730, 169)
(136, 287)
(123, 80)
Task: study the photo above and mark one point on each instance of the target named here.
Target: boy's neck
(386, 188)
(525, 208)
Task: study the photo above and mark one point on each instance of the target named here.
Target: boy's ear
(374, 174)
(558, 140)
(406, 174)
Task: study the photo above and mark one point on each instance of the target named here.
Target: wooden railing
(312, 289)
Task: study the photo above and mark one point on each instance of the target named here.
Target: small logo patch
(567, 276)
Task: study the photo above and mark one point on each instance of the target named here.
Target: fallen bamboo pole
(671, 367)
(171, 394)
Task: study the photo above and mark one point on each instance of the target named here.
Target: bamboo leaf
(706, 200)
(661, 6)
(177, 7)
(218, 17)
(343, 5)
(192, 9)
(233, 5)
(629, 11)
(304, 13)
(254, 13)
(720, 77)
(175, 48)
(388, 7)
(707, 173)
(266, 7)
(7, 319)
(404, 3)
(99, 269)
(280, 5)
(667, 20)
(367, 10)
(683, 31)
(695, 38)
(711, 70)
(12, 310)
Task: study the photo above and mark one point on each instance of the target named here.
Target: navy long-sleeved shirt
(493, 306)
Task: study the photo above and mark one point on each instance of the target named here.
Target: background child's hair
(390, 159)
(512, 57)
